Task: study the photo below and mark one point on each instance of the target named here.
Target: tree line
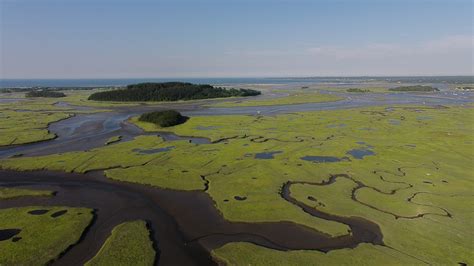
(169, 91)
(46, 93)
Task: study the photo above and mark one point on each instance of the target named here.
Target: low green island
(169, 91)
(357, 90)
(414, 88)
(45, 94)
(11, 193)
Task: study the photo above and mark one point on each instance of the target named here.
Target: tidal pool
(266, 155)
(360, 153)
(58, 213)
(321, 159)
(38, 212)
(6, 234)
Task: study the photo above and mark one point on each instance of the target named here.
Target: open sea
(8, 83)
(17, 83)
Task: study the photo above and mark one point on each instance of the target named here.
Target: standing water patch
(321, 159)
(6, 234)
(360, 153)
(266, 155)
(38, 212)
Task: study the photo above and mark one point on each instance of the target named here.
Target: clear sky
(234, 38)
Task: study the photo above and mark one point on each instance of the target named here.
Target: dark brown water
(185, 225)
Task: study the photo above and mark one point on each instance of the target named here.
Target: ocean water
(440, 82)
(8, 83)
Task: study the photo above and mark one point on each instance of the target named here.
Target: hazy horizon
(106, 39)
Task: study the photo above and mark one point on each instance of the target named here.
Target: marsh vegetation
(420, 88)
(45, 94)
(281, 188)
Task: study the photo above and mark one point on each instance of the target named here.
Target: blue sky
(122, 39)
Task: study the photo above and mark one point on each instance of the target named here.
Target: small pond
(360, 153)
(321, 159)
(6, 234)
(266, 155)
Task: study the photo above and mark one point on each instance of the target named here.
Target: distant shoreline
(88, 83)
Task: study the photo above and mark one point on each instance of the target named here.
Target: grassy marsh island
(45, 94)
(419, 88)
(129, 244)
(293, 98)
(11, 193)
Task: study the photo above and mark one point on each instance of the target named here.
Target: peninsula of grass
(296, 98)
(27, 126)
(113, 140)
(40, 238)
(45, 94)
(414, 88)
(165, 118)
(10, 193)
(169, 91)
(129, 244)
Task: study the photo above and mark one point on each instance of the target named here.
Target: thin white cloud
(447, 45)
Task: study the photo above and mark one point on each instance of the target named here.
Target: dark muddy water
(266, 155)
(185, 225)
(6, 234)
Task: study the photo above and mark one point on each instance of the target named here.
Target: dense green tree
(166, 118)
(169, 91)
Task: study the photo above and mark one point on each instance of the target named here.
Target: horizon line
(262, 77)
